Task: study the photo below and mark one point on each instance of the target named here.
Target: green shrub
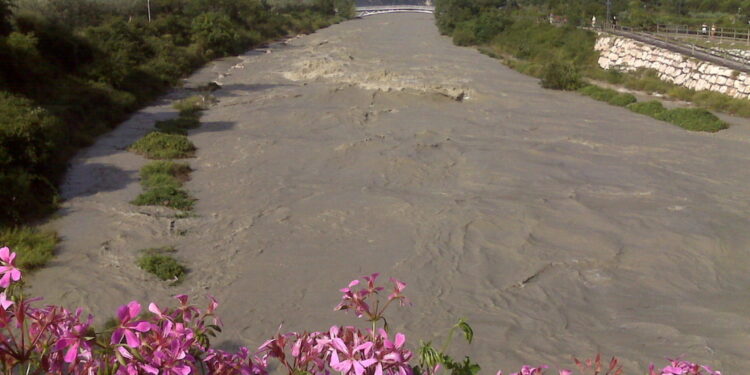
(154, 169)
(560, 76)
(33, 247)
(157, 145)
(29, 139)
(695, 119)
(192, 104)
(490, 24)
(162, 184)
(464, 34)
(622, 99)
(650, 108)
(159, 263)
(598, 93)
(167, 196)
(215, 33)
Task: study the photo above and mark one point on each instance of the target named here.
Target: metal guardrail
(707, 32)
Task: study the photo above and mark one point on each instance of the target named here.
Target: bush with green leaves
(608, 95)
(695, 119)
(158, 145)
(622, 99)
(162, 185)
(215, 34)
(464, 34)
(28, 137)
(650, 108)
(192, 104)
(160, 263)
(34, 247)
(561, 76)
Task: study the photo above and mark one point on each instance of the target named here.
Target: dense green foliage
(558, 55)
(158, 145)
(162, 186)
(560, 76)
(72, 69)
(650, 108)
(695, 119)
(607, 95)
(160, 262)
(34, 247)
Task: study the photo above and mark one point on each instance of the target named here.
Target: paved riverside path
(557, 225)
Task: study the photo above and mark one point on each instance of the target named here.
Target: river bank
(555, 224)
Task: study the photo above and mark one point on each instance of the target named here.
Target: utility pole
(148, 5)
(609, 12)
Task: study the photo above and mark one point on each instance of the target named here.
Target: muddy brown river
(555, 224)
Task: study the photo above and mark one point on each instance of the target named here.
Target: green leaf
(466, 329)
(429, 356)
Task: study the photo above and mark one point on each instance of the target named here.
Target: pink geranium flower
(352, 357)
(128, 326)
(7, 269)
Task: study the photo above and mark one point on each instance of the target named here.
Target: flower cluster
(680, 367)
(356, 299)
(175, 341)
(346, 349)
(539, 370)
(53, 340)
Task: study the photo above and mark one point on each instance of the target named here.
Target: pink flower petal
(132, 339)
(72, 353)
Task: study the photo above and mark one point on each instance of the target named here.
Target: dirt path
(556, 224)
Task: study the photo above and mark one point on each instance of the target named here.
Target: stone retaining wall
(625, 54)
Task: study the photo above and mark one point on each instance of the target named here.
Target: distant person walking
(704, 29)
(593, 22)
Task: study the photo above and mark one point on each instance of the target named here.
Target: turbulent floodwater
(555, 224)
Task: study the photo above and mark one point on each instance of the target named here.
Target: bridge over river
(372, 7)
(556, 224)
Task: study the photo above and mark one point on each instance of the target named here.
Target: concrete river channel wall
(617, 52)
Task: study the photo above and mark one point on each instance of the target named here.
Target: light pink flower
(4, 301)
(7, 269)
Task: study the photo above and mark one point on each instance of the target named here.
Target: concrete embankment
(618, 52)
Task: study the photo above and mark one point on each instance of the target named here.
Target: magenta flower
(680, 367)
(75, 339)
(529, 370)
(128, 327)
(352, 357)
(7, 269)
(398, 288)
